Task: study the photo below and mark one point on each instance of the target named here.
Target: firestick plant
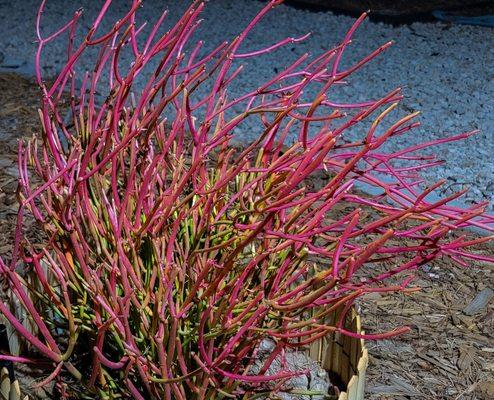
(172, 253)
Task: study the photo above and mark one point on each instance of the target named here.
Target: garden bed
(447, 355)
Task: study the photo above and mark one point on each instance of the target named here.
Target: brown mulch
(448, 354)
(19, 101)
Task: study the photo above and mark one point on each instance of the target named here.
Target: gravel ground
(447, 69)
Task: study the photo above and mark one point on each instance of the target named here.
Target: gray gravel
(448, 70)
(315, 383)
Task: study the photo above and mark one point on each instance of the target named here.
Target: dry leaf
(466, 360)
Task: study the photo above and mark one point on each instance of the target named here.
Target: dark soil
(397, 12)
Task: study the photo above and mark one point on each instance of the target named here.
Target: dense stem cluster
(173, 253)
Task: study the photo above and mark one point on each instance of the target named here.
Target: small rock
(316, 381)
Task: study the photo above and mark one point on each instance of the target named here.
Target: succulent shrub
(172, 251)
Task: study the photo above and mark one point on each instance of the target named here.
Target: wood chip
(479, 302)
